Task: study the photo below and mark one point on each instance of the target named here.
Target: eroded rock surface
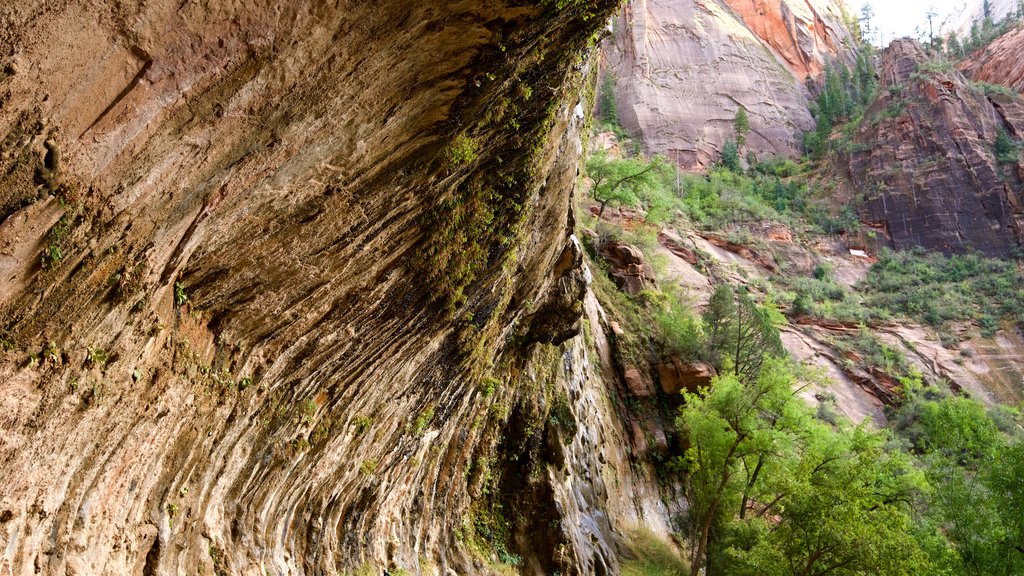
(924, 159)
(684, 67)
(257, 258)
(1000, 62)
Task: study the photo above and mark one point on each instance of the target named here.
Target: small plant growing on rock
(363, 424)
(308, 409)
(172, 511)
(51, 352)
(180, 296)
(488, 385)
(95, 356)
(419, 426)
(463, 150)
(368, 467)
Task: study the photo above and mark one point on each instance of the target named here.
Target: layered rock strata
(1000, 62)
(281, 286)
(924, 161)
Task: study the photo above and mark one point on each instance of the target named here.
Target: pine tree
(731, 156)
(742, 125)
(953, 47)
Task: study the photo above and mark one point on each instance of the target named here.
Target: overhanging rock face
(255, 258)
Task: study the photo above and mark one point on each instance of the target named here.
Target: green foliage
(740, 333)
(652, 556)
(992, 89)
(607, 108)
(936, 289)
(53, 252)
(973, 515)
(842, 99)
(623, 181)
(462, 150)
(984, 34)
(368, 467)
(741, 123)
(362, 424)
(731, 156)
(1007, 151)
(422, 421)
(95, 356)
(180, 296)
(775, 491)
(488, 385)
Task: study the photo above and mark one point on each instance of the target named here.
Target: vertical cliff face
(999, 62)
(973, 12)
(281, 286)
(924, 159)
(684, 67)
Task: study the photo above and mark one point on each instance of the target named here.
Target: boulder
(677, 376)
(637, 385)
(628, 268)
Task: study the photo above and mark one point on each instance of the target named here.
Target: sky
(896, 18)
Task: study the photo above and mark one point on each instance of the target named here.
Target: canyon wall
(923, 159)
(1000, 62)
(289, 288)
(684, 67)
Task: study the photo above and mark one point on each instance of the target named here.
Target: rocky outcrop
(628, 268)
(677, 376)
(923, 159)
(684, 67)
(999, 62)
(257, 259)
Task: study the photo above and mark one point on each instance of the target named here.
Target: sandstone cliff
(281, 286)
(973, 12)
(923, 159)
(1000, 62)
(684, 67)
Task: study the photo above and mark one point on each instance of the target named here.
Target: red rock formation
(924, 159)
(804, 33)
(627, 267)
(1000, 62)
(676, 376)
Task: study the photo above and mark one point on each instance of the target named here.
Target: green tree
(1006, 149)
(740, 334)
(953, 47)
(867, 13)
(844, 509)
(742, 126)
(731, 156)
(726, 425)
(621, 181)
(607, 106)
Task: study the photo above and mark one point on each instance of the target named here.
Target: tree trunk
(750, 486)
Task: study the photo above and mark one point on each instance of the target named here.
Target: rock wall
(280, 283)
(973, 11)
(999, 62)
(684, 67)
(924, 162)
